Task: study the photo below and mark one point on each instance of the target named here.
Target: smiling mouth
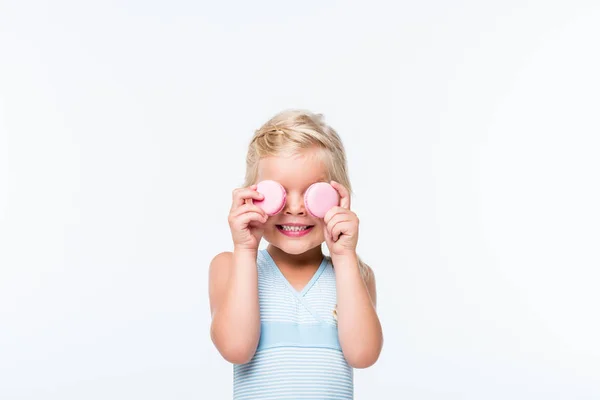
(294, 230)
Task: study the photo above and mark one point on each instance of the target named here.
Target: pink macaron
(274, 197)
(319, 198)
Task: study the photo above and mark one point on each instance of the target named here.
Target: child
(293, 322)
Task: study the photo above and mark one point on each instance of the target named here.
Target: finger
(337, 218)
(241, 196)
(335, 223)
(248, 217)
(334, 211)
(339, 229)
(344, 194)
(249, 199)
(248, 207)
(342, 228)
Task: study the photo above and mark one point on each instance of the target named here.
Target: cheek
(270, 225)
(319, 223)
(319, 227)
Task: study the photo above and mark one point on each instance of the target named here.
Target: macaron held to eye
(319, 198)
(274, 197)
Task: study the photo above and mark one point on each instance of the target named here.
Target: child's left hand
(341, 225)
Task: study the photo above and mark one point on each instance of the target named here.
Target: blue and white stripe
(299, 355)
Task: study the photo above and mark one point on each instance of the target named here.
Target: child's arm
(233, 282)
(233, 292)
(359, 328)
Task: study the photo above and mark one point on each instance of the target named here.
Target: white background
(472, 132)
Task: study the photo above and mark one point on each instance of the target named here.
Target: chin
(295, 248)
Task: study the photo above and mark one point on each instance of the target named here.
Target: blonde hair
(292, 131)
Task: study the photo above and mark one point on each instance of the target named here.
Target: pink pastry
(274, 199)
(319, 198)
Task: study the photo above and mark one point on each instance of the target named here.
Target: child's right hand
(246, 219)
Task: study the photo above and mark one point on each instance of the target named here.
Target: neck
(312, 256)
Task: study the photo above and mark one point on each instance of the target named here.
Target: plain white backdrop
(472, 133)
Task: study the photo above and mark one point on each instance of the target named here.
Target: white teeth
(293, 228)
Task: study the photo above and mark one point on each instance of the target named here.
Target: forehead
(296, 170)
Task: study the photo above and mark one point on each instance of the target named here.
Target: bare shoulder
(221, 260)
(218, 275)
(220, 266)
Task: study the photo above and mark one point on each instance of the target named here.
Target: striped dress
(298, 355)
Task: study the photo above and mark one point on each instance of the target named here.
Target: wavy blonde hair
(292, 131)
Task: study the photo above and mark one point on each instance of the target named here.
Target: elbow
(365, 357)
(236, 354)
(362, 361)
(233, 350)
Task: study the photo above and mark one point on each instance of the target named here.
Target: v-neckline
(310, 283)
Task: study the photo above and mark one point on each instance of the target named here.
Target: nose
(294, 205)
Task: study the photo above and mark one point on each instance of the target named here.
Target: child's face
(294, 230)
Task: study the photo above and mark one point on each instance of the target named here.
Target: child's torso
(299, 355)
